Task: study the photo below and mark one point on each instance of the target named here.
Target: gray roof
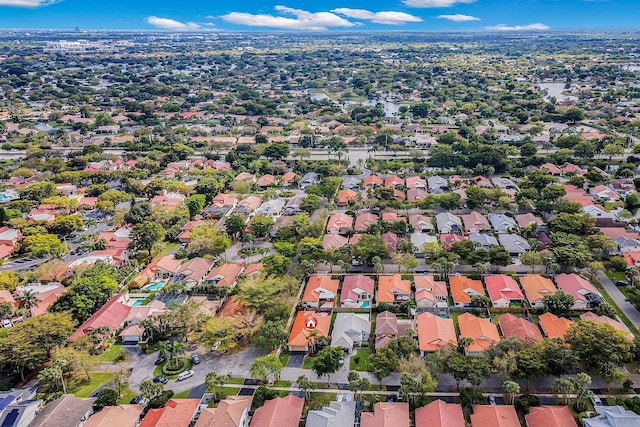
(67, 410)
(502, 222)
(446, 221)
(613, 416)
(349, 327)
(514, 244)
(485, 240)
(337, 414)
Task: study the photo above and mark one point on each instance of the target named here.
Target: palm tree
(177, 350)
(443, 267)
(481, 267)
(29, 300)
(213, 380)
(512, 388)
(465, 342)
(164, 349)
(632, 274)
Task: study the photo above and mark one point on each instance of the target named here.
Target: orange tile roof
(228, 413)
(554, 326)
(536, 287)
(229, 273)
(340, 220)
(279, 412)
(346, 196)
(121, 415)
(550, 416)
(112, 315)
(459, 285)
(177, 412)
(389, 285)
(435, 331)
(512, 326)
(316, 282)
(307, 321)
(440, 414)
(386, 414)
(494, 416)
(484, 333)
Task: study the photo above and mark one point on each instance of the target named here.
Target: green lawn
(170, 246)
(85, 388)
(281, 383)
(321, 399)
(616, 275)
(111, 354)
(234, 380)
(307, 362)
(127, 395)
(284, 358)
(182, 394)
(358, 361)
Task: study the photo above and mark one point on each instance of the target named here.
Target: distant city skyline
(300, 15)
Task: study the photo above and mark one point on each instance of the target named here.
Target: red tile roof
(440, 414)
(177, 413)
(512, 326)
(279, 412)
(112, 315)
(550, 416)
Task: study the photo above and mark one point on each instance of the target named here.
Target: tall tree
(145, 235)
(327, 361)
(266, 366)
(214, 380)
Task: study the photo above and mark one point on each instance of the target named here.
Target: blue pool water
(365, 304)
(3, 197)
(137, 303)
(155, 286)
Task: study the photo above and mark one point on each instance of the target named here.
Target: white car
(186, 374)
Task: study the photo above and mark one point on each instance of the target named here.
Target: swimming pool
(137, 303)
(155, 286)
(365, 304)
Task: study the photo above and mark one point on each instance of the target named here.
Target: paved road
(231, 255)
(618, 297)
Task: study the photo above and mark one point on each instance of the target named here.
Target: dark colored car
(160, 379)
(135, 400)
(159, 360)
(623, 283)
(195, 359)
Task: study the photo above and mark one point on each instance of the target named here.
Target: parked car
(623, 283)
(596, 400)
(160, 379)
(159, 360)
(195, 359)
(492, 400)
(186, 374)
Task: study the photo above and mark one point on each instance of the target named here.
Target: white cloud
(459, 18)
(424, 4)
(172, 24)
(503, 27)
(27, 3)
(387, 18)
(303, 20)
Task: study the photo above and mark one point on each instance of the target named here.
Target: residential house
(475, 222)
(320, 292)
(248, 205)
(266, 180)
(224, 275)
(484, 240)
(415, 182)
(10, 236)
(416, 194)
(340, 223)
(440, 414)
(388, 327)
(553, 169)
(168, 199)
(346, 197)
(230, 412)
(623, 186)
(386, 414)
(512, 326)
(221, 205)
(177, 412)
(247, 177)
(112, 315)
(626, 244)
(504, 183)
(554, 326)
(437, 184)
(514, 244)
(351, 183)
(448, 223)
(494, 416)
(420, 240)
(310, 178)
(372, 181)
(584, 293)
(604, 193)
(632, 258)
(67, 410)
(550, 416)
(463, 289)
(430, 292)
(120, 415)
(288, 178)
(449, 239)
(435, 332)
(421, 223)
(391, 240)
(604, 320)
(502, 223)
(306, 325)
(279, 412)
(350, 330)
(185, 231)
(337, 414)
(167, 266)
(292, 207)
(18, 407)
(526, 219)
(394, 182)
(612, 416)
(484, 333)
(46, 295)
(331, 242)
(364, 221)
(272, 207)
(536, 287)
(193, 272)
(503, 290)
(393, 289)
(357, 291)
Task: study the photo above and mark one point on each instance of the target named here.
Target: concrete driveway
(231, 255)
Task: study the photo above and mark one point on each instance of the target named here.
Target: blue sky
(197, 15)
